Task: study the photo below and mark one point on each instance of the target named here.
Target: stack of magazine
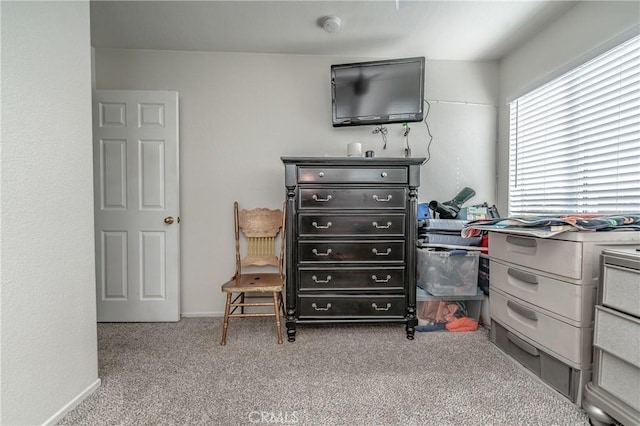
(445, 233)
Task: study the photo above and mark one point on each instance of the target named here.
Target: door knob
(168, 220)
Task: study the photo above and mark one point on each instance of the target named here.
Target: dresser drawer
(569, 343)
(618, 334)
(565, 379)
(352, 198)
(621, 288)
(351, 251)
(618, 377)
(346, 307)
(339, 224)
(558, 257)
(571, 301)
(397, 175)
(332, 279)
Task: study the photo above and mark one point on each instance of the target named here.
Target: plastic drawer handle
(315, 251)
(315, 279)
(375, 251)
(314, 306)
(521, 310)
(327, 226)
(382, 200)
(530, 349)
(375, 225)
(375, 306)
(521, 241)
(374, 278)
(522, 276)
(321, 200)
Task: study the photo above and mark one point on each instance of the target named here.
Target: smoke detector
(331, 24)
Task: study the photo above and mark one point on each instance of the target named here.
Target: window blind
(574, 143)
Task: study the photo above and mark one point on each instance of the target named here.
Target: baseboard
(201, 314)
(73, 403)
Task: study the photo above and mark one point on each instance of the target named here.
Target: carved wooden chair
(260, 228)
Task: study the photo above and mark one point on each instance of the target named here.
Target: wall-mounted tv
(377, 92)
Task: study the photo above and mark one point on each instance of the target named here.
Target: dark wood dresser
(350, 236)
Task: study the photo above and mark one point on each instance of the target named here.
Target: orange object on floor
(462, 324)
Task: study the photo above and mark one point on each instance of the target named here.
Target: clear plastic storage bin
(448, 273)
(469, 306)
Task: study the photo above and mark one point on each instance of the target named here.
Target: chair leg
(225, 324)
(284, 314)
(242, 301)
(276, 308)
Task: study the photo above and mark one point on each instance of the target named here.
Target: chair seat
(258, 282)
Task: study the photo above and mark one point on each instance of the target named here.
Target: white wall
(464, 128)
(48, 323)
(239, 113)
(581, 34)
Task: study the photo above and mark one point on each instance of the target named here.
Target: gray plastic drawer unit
(614, 392)
(541, 302)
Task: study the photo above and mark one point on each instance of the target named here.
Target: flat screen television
(377, 92)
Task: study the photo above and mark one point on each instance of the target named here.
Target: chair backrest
(260, 228)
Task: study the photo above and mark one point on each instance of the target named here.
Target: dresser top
(626, 237)
(632, 253)
(354, 161)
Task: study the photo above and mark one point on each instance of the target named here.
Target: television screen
(377, 92)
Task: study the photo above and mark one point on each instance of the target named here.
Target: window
(574, 143)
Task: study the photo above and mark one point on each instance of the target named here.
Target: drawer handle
(382, 200)
(375, 251)
(530, 349)
(522, 276)
(522, 241)
(315, 279)
(521, 310)
(375, 279)
(321, 200)
(374, 306)
(383, 174)
(387, 226)
(314, 306)
(321, 174)
(315, 251)
(327, 226)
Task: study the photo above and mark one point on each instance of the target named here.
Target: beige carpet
(178, 374)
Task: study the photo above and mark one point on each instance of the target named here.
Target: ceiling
(456, 30)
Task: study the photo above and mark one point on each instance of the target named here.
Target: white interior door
(135, 152)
